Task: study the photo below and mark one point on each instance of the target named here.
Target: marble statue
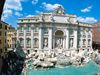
(45, 43)
(58, 44)
(71, 42)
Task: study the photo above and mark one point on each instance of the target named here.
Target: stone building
(11, 37)
(96, 36)
(53, 30)
(3, 38)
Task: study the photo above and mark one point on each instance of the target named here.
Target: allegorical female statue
(45, 43)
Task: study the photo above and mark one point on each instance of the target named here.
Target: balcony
(21, 34)
(28, 34)
(36, 34)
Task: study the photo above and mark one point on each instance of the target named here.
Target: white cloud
(12, 6)
(7, 11)
(34, 1)
(50, 7)
(23, 0)
(37, 11)
(29, 15)
(18, 14)
(87, 19)
(88, 9)
(6, 14)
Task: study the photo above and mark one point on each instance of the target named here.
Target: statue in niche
(45, 43)
(71, 42)
(58, 43)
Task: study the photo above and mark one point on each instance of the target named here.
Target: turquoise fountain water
(89, 69)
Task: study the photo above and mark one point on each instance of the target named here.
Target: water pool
(89, 69)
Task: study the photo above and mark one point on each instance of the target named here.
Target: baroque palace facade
(53, 30)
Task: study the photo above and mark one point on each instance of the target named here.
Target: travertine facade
(55, 30)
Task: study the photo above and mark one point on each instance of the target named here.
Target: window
(89, 35)
(21, 34)
(0, 33)
(0, 50)
(5, 34)
(5, 40)
(21, 41)
(0, 42)
(21, 20)
(84, 36)
(28, 41)
(0, 26)
(6, 27)
(36, 42)
(84, 42)
(28, 20)
(89, 41)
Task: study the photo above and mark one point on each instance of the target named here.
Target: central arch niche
(59, 35)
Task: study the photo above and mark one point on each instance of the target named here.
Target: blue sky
(86, 10)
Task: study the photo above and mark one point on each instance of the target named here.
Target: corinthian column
(67, 39)
(50, 38)
(25, 38)
(40, 38)
(32, 37)
(75, 39)
(86, 39)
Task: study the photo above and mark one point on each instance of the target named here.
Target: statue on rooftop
(60, 10)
